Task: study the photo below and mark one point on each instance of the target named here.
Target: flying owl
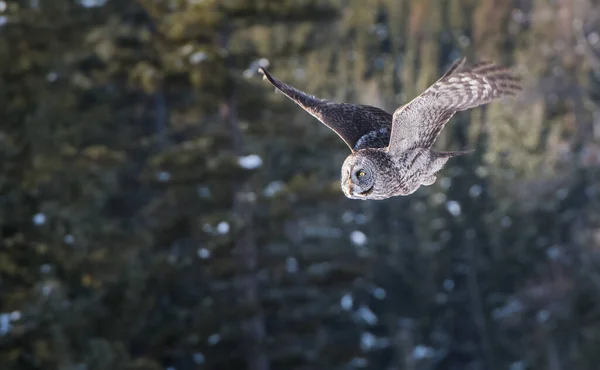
(392, 154)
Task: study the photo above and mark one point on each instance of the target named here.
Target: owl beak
(350, 185)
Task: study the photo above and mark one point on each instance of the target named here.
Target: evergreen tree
(162, 208)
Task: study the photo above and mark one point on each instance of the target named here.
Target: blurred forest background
(162, 208)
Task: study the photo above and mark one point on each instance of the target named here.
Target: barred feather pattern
(485, 82)
(419, 123)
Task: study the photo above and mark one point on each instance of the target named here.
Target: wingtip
(509, 81)
(263, 71)
(455, 66)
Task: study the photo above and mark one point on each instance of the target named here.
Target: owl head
(361, 175)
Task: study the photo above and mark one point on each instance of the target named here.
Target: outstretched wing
(418, 123)
(351, 122)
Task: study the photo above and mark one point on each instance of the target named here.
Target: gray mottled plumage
(391, 154)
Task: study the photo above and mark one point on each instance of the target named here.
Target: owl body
(375, 174)
(391, 154)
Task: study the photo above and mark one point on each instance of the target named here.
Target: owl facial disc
(358, 177)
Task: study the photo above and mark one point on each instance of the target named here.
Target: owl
(391, 154)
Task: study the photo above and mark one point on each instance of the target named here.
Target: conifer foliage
(161, 207)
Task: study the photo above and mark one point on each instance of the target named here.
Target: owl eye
(360, 173)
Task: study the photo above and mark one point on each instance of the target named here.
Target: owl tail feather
(440, 158)
(452, 153)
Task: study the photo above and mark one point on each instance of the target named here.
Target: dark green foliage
(132, 238)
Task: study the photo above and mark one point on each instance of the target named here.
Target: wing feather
(351, 122)
(419, 123)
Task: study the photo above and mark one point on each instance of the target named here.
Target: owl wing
(418, 123)
(351, 122)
